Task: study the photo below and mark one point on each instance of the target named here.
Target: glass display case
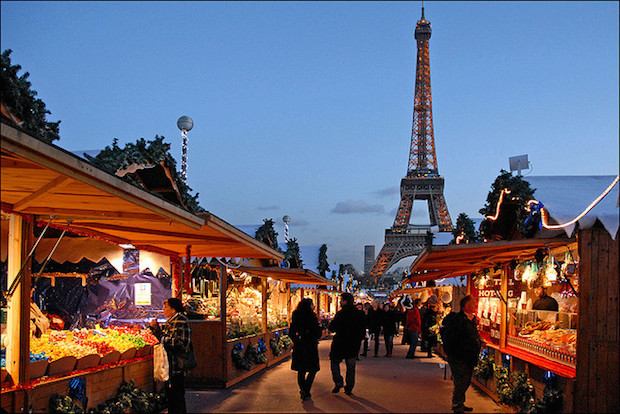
(549, 334)
(244, 310)
(277, 301)
(205, 300)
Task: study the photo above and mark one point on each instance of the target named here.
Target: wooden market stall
(326, 301)
(254, 335)
(577, 344)
(44, 185)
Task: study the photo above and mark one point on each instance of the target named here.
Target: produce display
(58, 344)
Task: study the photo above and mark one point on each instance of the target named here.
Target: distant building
(369, 258)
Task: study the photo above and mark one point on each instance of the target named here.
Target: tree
(514, 202)
(267, 234)
(292, 255)
(21, 102)
(323, 264)
(112, 159)
(464, 228)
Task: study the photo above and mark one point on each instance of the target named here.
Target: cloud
(268, 208)
(387, 192)
(359, 207)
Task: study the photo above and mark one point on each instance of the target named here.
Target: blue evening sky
(305, 108)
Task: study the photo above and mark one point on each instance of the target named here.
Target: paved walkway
(383, 385)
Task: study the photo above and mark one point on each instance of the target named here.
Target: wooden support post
(263, 282)
(503, 306)
(288, 302)
(187, 271)
(18, 315)
(223, 291)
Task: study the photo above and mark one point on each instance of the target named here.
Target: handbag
(187, 361)
(160, 363)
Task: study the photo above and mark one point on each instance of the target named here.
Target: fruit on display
(79, 343)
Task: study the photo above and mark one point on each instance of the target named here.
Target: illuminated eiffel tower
(422, 181)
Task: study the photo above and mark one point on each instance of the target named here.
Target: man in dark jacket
(463, 355)
(348, 325)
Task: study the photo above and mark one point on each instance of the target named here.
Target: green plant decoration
(239, 359)
(485, 368)
(276, 345)
(514, 389)
(286, 341)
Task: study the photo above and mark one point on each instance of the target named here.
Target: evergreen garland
(22, 102)
(114, 158)
(520, 193)
(485, 367)
(267, 235)
(514, 389)
(128, 397)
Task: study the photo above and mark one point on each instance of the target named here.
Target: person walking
(413, 327)
(389, 327)
(364, 308)
(462, 345)
(305, 332)
(175, 335)
(348, 326)
(375, 320)
(429, 320)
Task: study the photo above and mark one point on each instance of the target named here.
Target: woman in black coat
(305, 332)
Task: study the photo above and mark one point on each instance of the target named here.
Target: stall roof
(437, 262)
(567, 196)
(301, 276)
(44, 180)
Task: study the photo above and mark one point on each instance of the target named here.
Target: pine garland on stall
(485, 367)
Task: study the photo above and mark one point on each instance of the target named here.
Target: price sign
(142, 294)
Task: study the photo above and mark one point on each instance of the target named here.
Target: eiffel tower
(422, 181)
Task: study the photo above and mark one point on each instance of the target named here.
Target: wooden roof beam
(55, 184)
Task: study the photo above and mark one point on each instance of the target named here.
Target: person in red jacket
(413, 326)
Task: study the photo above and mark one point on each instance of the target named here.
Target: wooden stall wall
(100, 386)
(598, 377)
(208, 341)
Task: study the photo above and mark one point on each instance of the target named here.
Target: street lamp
(185, 124)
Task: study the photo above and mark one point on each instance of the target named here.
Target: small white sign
(142, 294)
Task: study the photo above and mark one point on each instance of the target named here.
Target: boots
(389, 348)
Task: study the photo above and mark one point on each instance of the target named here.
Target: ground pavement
(383, 385)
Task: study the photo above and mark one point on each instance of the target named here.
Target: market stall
(46, 187)
(254, 335)
(326, 302)
(502, 275)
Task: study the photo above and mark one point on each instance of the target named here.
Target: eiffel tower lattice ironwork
(422, 181)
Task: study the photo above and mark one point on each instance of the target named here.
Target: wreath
(240, 361)
(256, 354)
